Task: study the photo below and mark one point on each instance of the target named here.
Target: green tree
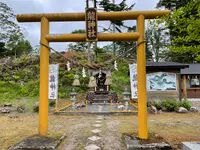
(186, 22)
(2, 49)
(8, 27)
(174, 32)
(78, 46)
(127, 48)
(109, 6)
(36, 50)
(11, 34)
(172, 4)
(156, 40)
(23, 47)
(118, 26)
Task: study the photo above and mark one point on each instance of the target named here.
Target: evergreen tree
(78, 46)
(175, 32)
(186, 22)
(11, 34)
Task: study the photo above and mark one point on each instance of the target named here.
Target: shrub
(24, 91)
(21, 107)
(157, 104)
(36, 107)
(52, 103)
(186, 104)
(170, 105)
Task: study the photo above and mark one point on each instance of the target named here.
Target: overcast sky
(32, 30)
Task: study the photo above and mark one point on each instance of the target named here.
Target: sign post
(133, 80)
(53, 81)
(91, 24)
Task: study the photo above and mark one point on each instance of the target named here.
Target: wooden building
(164, 80)
(191, 81)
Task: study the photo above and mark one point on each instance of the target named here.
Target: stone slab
(92, 147)
(191, 145)
(96, 131)
(94, 138)
(98, 121)
(97, 125)
(152, 146)
(38, 143)
(136, 144)
(99, 118)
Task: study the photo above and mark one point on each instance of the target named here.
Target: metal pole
(95, 4)
(180, 87)
(44, 77)
(95, 45)
(114, 49)
(141, 71)
(87, 3)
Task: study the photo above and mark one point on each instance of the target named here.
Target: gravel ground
(111, 135)
(78, 135)
(173, 127)
(195, 103)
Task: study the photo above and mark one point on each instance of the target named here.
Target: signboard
(91, 24)
(53, 81)
(161, 81)
(133, 80)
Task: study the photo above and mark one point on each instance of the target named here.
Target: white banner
(133, 80)
(53, 81)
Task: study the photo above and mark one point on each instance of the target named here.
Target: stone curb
(46, 147)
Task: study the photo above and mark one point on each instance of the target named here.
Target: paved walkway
(98, 132)
(95, 137)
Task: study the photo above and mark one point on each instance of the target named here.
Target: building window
(194, 83)
(161, 81)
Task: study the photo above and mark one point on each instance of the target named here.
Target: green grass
(17, 95)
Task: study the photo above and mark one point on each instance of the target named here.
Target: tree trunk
(89, 52)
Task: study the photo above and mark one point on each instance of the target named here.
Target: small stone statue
(92, 82)
(76, 81)
(108, 80)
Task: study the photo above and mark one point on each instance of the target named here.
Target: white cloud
(42, 1)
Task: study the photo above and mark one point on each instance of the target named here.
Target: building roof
(164, 65)
(193, 69)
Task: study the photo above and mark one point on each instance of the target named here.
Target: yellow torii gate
(140, 16)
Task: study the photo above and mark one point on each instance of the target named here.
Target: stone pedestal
(190, 145)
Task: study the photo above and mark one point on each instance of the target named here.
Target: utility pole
(114, 47)
(95, 44)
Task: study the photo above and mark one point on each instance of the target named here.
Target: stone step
(100, 97)
(101, 101)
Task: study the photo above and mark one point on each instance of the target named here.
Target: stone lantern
(126, 97)
(73, 97)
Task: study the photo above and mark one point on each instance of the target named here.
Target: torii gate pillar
(44, 79)
(141, 77)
